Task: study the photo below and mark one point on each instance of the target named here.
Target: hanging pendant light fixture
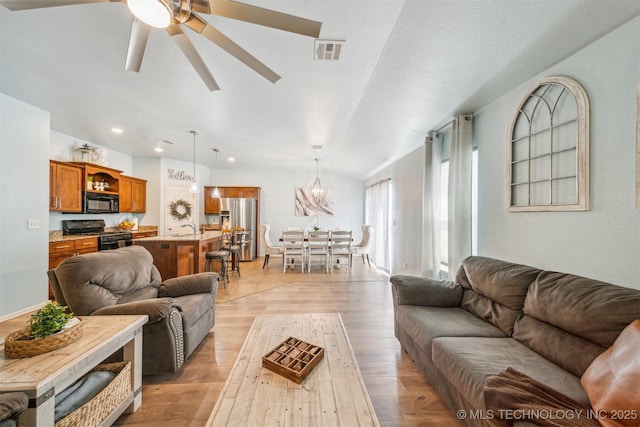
(316, 187)
(216, 190)
(194, 189)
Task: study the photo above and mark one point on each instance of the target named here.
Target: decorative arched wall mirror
(548, 149)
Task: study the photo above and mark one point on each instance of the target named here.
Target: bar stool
(223, 256)
(229, 245)
(234, 250)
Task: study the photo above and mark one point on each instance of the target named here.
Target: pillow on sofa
(611, 381)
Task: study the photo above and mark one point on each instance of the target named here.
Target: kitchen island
(183, 254)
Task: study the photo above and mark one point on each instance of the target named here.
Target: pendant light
(316, 187)
(194, 189)
(216, 190)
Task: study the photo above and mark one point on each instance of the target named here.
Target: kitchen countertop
(183, 237)
(56, 235)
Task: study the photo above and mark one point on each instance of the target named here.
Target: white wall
(24, 140)
(603, 243)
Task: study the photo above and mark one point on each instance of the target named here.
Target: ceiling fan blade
(200, 26)
(193, 56)
(137, 44)
(260, 16)
(37, 4)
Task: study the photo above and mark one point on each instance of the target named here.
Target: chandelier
(316, 187)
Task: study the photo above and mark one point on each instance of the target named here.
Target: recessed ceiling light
(231, 159)
(158, 149)
(116, 130)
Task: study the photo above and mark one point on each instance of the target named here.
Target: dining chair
(341, 247)
(294, 249)
(362, 247)
(318, 248)
(269, 248)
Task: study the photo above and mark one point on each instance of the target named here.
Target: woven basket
(16, 347)
(95, 411)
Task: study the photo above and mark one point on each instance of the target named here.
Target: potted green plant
(49, 320)
(51, 327)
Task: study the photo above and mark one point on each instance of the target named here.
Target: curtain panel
(431, 206)
(460, 181)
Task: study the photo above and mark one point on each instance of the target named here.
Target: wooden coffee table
(334, 393)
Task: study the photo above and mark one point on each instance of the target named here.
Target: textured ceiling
(407, 66)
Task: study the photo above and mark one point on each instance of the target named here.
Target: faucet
(193, 227)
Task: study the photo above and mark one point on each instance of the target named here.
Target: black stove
(95, 227)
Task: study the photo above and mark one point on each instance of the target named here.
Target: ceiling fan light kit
(171, 14)
(155, 13)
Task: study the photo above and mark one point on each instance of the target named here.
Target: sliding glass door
(378, 213)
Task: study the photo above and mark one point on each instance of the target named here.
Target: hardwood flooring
(399, 392)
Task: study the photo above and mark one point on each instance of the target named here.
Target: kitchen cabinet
(133, 194)
(212, 204)
(100, 176)
(65, 187)
(60, 250)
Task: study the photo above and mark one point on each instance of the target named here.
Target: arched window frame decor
(519, 188)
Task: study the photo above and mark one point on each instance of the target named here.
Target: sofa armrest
(199, 283)
(156, 308)
(413, 290)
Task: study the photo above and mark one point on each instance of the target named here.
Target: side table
(41, 377)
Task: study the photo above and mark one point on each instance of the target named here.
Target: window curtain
(431, 206)
(377, 213)
(460, 180)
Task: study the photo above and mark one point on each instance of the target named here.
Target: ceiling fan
(172, 14)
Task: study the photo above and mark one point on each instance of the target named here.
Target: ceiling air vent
(328, 50)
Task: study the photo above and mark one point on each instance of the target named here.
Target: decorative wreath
(180, 209)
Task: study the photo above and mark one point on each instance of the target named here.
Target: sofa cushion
(99, 279)
(612, 380)
(495, 290)
(564, 311)
(467, 363)
(423, 324)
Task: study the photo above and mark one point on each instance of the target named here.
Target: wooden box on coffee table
(293, 358)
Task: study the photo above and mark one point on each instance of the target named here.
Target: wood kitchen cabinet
(212, 204)
(65, 187)
(60, 250)
(133, 194)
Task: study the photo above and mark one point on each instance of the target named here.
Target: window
(548, 148)
(377, 200)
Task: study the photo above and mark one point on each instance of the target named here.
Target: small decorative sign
(179, 175)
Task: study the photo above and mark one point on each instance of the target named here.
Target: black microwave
(93, 202)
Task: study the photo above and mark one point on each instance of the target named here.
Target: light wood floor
(399, 392)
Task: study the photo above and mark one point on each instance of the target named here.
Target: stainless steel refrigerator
(242, 213)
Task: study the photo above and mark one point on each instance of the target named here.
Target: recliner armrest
(414, 290)
(199, 283)
(156, 308)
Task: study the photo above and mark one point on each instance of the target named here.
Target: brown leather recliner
(124, 281)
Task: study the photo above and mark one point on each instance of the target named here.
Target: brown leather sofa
(124, 281)
(498, 315)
